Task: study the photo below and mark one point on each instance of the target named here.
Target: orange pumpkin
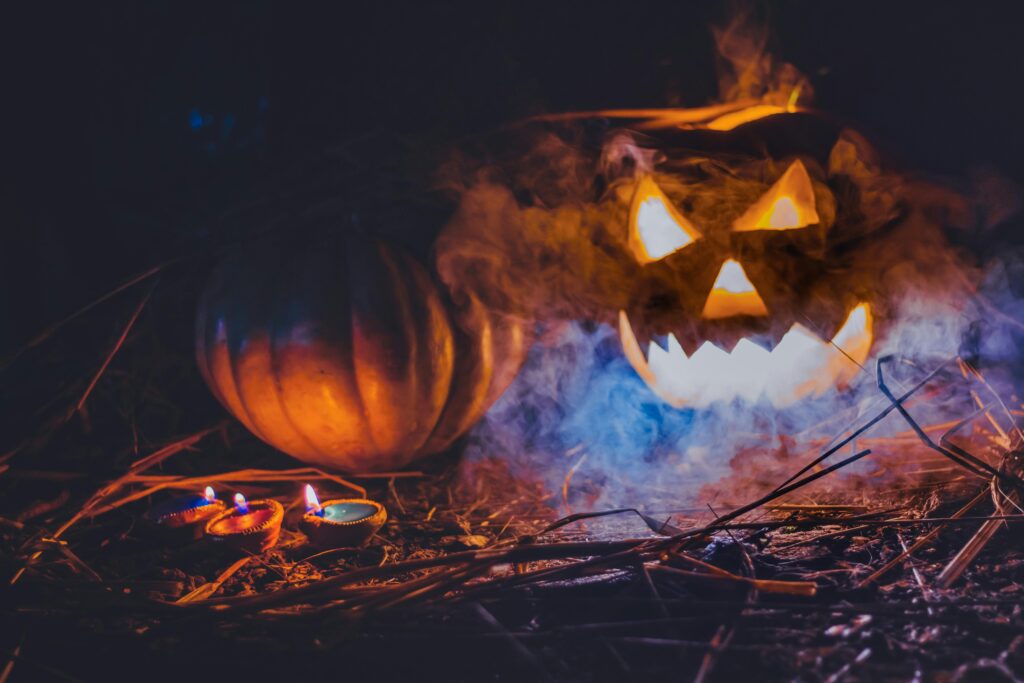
(344, 353)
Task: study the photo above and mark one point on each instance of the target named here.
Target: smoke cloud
(541, 231)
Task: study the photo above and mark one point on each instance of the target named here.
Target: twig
(45, 334)
(845, 669)
(9, 667)
(208, 589)
(822, 537)
(963, 559)
(727, 630)
(113, 351)
(811, 524)
(925, 593)
(921, 542)
(394, 494)
(662, 528)
(512, 640)
(568, 480)
(956, 454)
(804, 589)
(783, 490)
(867, 425)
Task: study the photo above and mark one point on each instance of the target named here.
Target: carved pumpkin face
(749, 283)
(763, 262)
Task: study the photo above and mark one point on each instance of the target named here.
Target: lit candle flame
(312, 502)
(209, 495)
(241, 504)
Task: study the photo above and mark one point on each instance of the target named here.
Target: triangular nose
(733, 294)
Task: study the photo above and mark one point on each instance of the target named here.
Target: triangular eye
(656, 228)
(787, 205)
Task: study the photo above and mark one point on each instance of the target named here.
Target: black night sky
(137, 123)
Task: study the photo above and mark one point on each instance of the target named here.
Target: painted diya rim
(261, 535)
(168, 517)
(328, 532)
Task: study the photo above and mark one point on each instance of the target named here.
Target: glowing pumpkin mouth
(801, 364)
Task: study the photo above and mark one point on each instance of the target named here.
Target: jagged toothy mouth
(801, 364)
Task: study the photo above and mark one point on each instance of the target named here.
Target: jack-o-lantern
(752, 251)
(343, 352)
(761, 256)
(760, 261)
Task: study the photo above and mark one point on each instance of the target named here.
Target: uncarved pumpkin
(344, 353)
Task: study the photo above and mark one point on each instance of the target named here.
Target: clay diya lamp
(341, 522)
(252, 526)
(185, 517)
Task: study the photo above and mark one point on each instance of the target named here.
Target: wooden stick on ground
(970, 551)
(208, 589)
(920, 543)
(806, 589)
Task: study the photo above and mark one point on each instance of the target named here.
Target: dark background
(136, 124)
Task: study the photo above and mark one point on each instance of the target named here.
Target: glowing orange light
(738, 118)
(241, 504)
(784, 214)
(854, 339)
(733, 294)
(312, 502)
(209, 495)
(787, 205)
(758, 111)
(724, 116)
(802, 364)
(657, 229)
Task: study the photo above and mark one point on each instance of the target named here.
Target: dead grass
(473, 576)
